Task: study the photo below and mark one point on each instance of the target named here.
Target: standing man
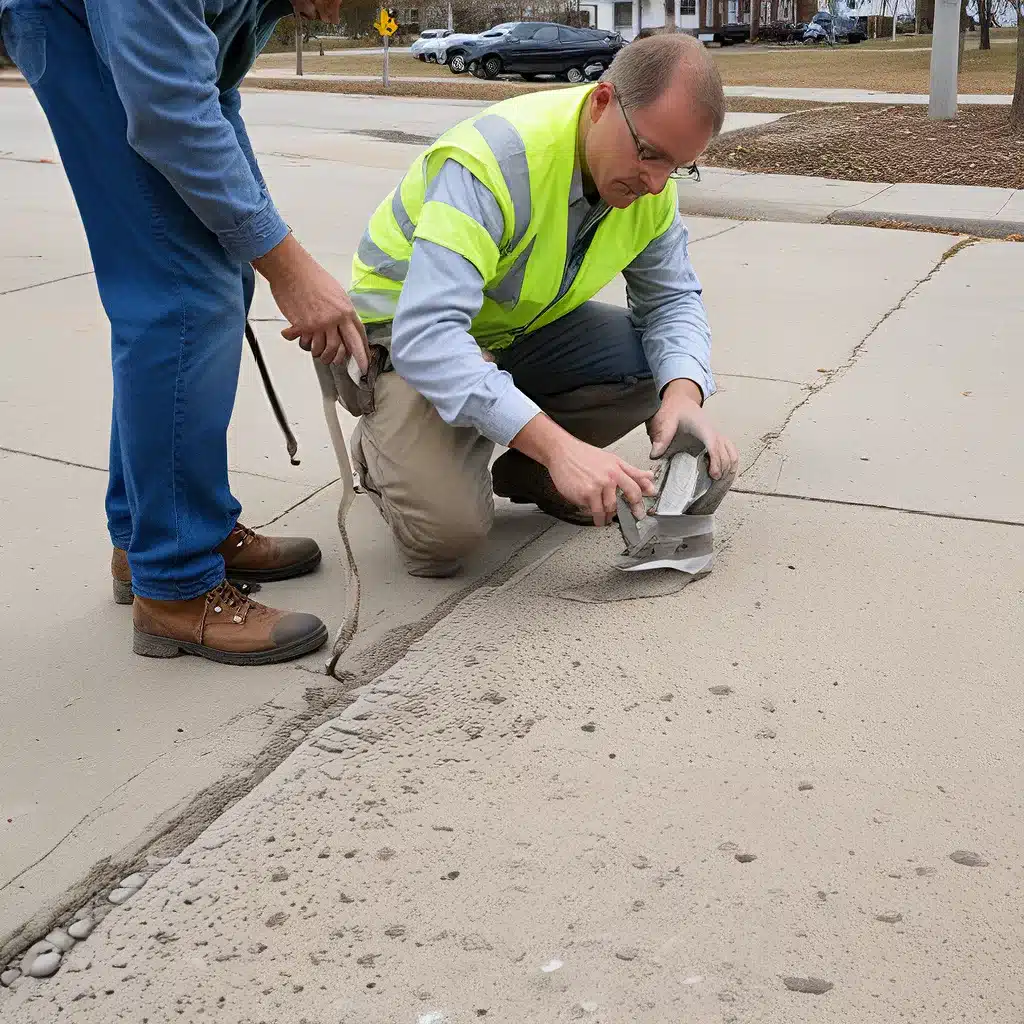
(142, 99)
(475, 279)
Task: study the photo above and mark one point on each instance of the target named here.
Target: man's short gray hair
(643, 70)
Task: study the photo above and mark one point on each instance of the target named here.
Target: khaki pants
(431, 480)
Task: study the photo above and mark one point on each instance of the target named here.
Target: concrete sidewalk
(572, 794)
(967, 209)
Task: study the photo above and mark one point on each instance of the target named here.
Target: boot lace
(227, 599)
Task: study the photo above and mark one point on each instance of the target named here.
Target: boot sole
(284, 572)
(150, 646)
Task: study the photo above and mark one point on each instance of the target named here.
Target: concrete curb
(980, 227)
(734, 208)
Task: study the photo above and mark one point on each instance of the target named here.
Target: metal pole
(895, 11)
(385, 62)
(945, 52)
(298, 45)
(451, 25)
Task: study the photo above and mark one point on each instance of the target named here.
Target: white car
(425, 47)
(453, 46)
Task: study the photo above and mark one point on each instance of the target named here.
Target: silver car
(426, 45)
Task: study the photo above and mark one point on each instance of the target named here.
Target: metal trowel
(678, 530)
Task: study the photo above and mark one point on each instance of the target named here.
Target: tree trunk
(985, 22)
(1017, 107)
(755, 19)
(670, 15)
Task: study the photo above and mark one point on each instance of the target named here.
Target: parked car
(455, 46)
(535, 48)
(425, 45)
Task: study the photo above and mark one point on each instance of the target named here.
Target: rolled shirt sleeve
(163, 60)
(664, 295)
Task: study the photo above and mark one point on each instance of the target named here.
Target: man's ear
(599, 100)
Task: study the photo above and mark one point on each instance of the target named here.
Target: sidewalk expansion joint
(850, 503)
(832, 375)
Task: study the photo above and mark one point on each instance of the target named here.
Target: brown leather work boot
(122, 577)
(524, 482)
(224, 626)
(249, 557)
(253, 558)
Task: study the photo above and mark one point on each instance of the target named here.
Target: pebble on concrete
(44, 965)
(135, 881)
(812, 986)
(804, 786)
(968, 858)
(61, 940)
(82, 928)
(8, 978)
(746, 858)
(118, 896)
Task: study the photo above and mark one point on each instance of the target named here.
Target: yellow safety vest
(524, 151)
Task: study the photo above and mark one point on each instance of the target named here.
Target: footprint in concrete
(746, 858)
(968, 858)
(924, 871)
(804, 786)
(720, 691)
(810, 986)
(628, 586)
(893, 918)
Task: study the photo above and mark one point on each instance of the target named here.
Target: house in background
(698, 17)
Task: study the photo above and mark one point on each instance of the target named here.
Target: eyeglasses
(645, 155)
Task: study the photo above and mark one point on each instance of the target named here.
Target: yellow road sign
(385, 24)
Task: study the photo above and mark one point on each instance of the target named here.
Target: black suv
(535, 48)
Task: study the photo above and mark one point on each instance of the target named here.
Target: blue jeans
(176, 303)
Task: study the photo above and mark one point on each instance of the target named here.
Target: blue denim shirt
(176, 65)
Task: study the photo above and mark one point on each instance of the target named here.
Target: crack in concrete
(298, 504)
(717, 234)
(773, 380)
(42, 284)
(957, 516)
(52, 458)
(103, 469)
(833, 375)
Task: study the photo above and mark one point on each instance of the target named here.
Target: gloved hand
(681, 409)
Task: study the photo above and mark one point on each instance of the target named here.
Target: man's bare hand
(680, 407)
(590, 477)
(320, 313)
(318, 10)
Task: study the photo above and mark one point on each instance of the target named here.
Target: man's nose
(654, 181)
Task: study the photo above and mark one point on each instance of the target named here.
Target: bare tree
(755, 19)
(984, 24)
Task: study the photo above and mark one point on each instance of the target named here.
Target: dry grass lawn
(859, 67)
(882, 68)
(401, 65)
